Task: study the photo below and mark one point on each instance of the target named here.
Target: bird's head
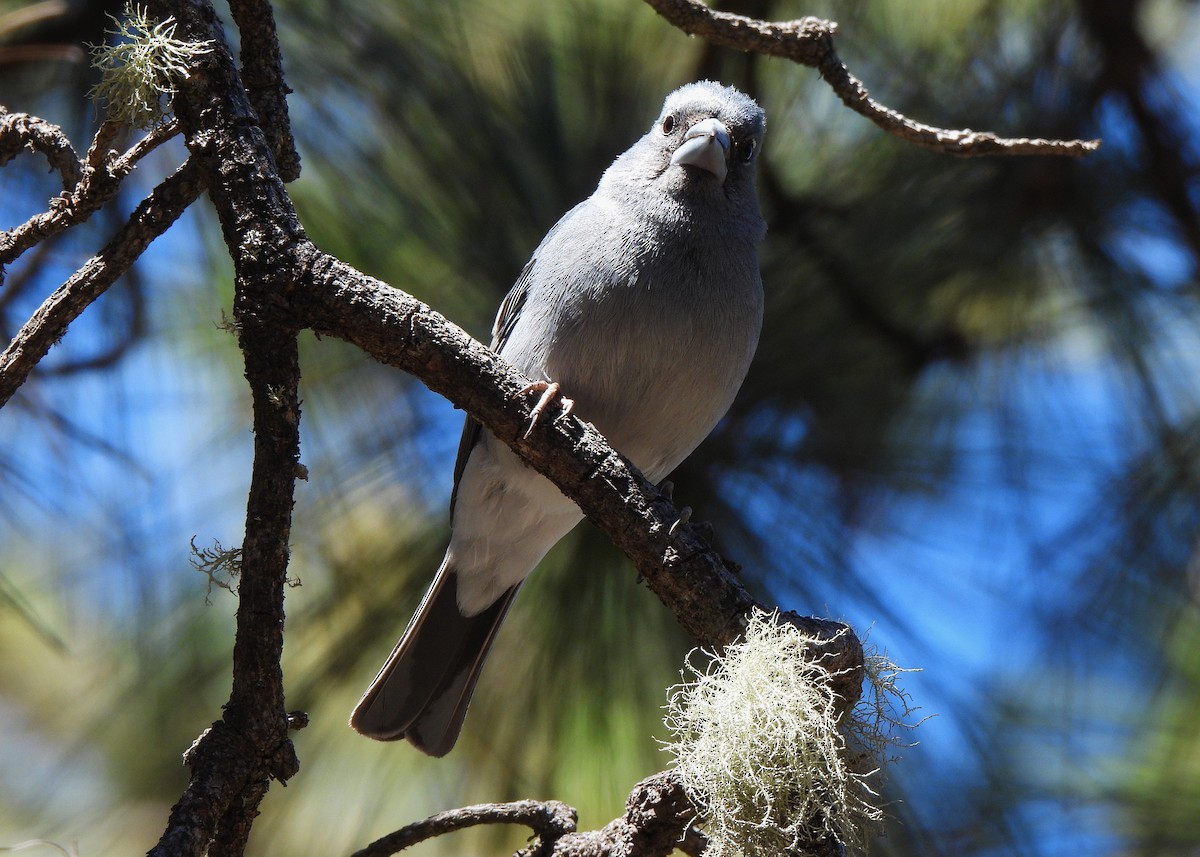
(700, 151)
(710, 128)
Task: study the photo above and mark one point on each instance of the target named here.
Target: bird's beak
(706, 145)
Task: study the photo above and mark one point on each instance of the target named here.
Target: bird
(643, 305)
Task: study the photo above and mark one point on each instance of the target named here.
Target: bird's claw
(685, 515)
(550, 392)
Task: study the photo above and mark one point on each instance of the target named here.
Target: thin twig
(963, 143)
(123, 165)
(48, 324)
(20, 130)
(98, 152)
(99, 180)
(549, 820)
(809, 42)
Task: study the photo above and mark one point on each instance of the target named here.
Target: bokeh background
(971, 429)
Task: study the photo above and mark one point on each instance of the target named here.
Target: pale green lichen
(222, 566)
(139, 72)
(764, 753)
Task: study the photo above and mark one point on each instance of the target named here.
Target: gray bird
(644, 303)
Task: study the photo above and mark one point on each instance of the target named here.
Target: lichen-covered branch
(140, 67)
(809, 42)
(658, 820)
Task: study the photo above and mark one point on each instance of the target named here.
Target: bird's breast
(653, 345)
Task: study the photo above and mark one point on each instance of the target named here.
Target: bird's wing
(506, 320)
(510, 310)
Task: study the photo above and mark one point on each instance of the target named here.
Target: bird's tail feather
(423, 690)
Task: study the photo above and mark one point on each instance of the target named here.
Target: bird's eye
(668, 124)
(745, 150)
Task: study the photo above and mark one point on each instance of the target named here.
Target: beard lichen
(139, 70)
(767, 751)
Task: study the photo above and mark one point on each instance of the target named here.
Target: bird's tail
(423, 690)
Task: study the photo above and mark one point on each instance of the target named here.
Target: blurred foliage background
(972, 427)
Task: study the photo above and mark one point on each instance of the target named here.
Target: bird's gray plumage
(645, 303)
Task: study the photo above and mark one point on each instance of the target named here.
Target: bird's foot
(550, 392)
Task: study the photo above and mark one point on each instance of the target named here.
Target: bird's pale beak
(706, 145)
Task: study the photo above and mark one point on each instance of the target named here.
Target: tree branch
(658, 820)
(20, 130)
(256, 702)
(217, 810)
(262, 73)
(149, 220)
(690, 578)
(99, 178)
(809, 42)
(549, 820)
